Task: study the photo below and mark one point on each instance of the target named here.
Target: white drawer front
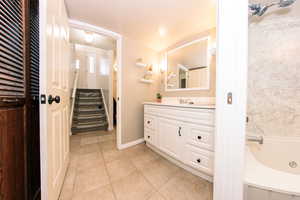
(192, 115)
(200, 159)
(149, 136)
(149, 122)
(201, 136)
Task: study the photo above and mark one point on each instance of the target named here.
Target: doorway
(95, 63)
(114, 84)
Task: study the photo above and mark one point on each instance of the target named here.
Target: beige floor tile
(156, 196)
(111, 155)
(75, 138)
(91, 179)
(90, 148)
(159, 172)
(73, 160)
(89, 140)
(93, 164)
(106, 138)
(120, 168)
(142, 160)
(68, 185)
(90, 160)
(133, 187)
(102, 193)
(182, 187)
(108, 145)
(136, 150)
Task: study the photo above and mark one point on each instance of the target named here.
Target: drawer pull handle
(199, 160)
(148, 122)
(179, 131)
(199, 137)
(148, 136)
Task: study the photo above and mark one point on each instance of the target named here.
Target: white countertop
(206, 106)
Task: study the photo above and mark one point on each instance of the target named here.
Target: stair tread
(89, 103)
(89, 111)
(74, 130)
(89, 116)
(89, 126)
(80, 109)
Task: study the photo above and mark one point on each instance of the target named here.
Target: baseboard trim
(130, 144)
(182, 165)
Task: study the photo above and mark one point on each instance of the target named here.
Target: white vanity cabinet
(170, 135)
(184, 133)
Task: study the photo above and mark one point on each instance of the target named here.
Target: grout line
(155, 190)
(106, 169)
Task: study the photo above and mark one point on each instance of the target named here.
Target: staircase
(89, 111)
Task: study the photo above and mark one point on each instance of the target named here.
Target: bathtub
(273, 169)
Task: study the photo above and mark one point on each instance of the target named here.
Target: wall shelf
(149, 72)
(146, 80)
(140, 64)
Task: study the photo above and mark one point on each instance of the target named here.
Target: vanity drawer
(201, 136)
(149, 136)
(200, 159)
(189, 115)
(149, 122)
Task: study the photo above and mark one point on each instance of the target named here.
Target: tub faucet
(255, 138)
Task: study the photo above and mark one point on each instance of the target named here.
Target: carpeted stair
(89, 111)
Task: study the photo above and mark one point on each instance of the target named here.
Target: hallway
(97, 170)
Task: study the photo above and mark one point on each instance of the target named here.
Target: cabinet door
(170, 134)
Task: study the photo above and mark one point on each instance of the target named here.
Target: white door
(54, 78)
(170, 134)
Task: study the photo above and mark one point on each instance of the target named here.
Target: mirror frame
(208, 38)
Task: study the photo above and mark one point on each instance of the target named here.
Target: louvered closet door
(12, 98)
(12, 78)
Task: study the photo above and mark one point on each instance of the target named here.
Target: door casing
(119, 39)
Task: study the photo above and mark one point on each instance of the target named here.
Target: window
(104, 70)
(77, 64)
(91, 64)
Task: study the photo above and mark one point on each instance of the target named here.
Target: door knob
(51, 99)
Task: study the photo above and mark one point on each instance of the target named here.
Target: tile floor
(98, 171)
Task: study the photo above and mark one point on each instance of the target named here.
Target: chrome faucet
(255, 138)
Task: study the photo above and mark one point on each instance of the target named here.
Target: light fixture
(162, 31)
(77, 64)
(89, 37)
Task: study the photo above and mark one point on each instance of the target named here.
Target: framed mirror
(188, 66)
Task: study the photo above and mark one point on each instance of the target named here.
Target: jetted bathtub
(273, 169)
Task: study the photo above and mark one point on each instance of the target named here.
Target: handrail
(74, 95)
(105, 106)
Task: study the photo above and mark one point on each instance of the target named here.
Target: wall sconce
(163, 66)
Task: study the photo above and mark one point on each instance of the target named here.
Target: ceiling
(141, 19)
(77, 36)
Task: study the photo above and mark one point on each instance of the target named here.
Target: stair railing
(105, 106)
(74, 95)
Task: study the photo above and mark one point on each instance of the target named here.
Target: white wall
(103, 62)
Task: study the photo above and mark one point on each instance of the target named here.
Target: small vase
(158, 100)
